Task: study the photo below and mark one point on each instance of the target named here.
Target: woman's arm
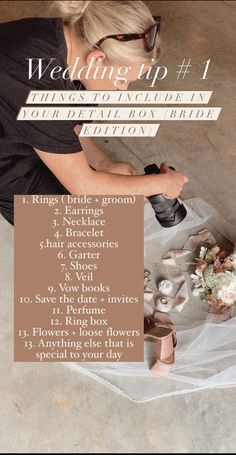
(75, 174)
(94, 155)
(100, 161)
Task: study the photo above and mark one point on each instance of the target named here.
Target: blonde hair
(93, 20)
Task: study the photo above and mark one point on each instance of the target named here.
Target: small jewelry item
(165, 287)
(163, 304)
(146, 277)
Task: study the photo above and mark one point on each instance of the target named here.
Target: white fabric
(206, 349)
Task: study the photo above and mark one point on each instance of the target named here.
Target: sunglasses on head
(149, 37)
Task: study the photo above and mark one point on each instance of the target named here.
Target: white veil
(206, 350)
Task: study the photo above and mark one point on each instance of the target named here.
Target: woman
(40, 157)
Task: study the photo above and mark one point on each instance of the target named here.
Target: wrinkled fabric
(205, 356)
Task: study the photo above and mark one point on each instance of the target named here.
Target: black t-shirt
(21, 170)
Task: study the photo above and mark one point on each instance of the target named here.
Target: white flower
(228, 297)
(234, 259)
(197, 280)
(203, 252)
(194, 278)
(199, 272)
(225, 289)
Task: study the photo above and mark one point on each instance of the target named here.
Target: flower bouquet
(214, 279)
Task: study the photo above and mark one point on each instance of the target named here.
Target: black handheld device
(169, 212)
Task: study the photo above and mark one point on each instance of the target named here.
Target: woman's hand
(174, 181)
(74, 172)
(116, 167)
(99, 160)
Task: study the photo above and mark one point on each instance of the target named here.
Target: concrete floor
(48, 408)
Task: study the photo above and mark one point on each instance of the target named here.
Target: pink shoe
(160, 328)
